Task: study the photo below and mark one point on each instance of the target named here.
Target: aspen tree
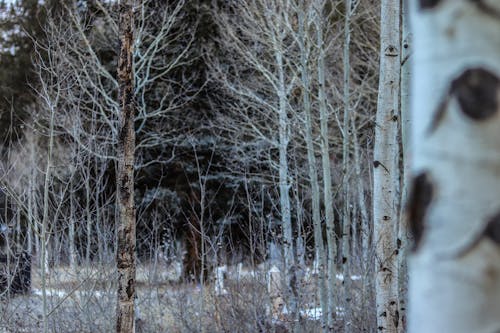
(403, 234)
(346, 140)
(454, 209)
(386, 175)
(326, 166)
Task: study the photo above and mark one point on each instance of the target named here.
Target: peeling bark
(125, 257)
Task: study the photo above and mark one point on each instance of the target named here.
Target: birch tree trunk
(284, 186)
(327, 175)
(403, 235)
(50, 99)
(386, 171)
(71, 231)
(455, 207)
(346, 140)
(312, 168)
(125, 259)
(88, 213)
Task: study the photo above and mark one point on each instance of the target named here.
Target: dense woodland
(249, 166)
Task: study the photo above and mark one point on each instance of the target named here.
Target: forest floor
(83, 300)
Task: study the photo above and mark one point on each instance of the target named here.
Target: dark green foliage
(18, 25)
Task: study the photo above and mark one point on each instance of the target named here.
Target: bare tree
(265, 26)
(386, 171)
(403, 230)
(305, 15)
(125, 257)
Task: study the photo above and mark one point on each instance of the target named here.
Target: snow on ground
(340, 277)
(65, 293)
(316, 313)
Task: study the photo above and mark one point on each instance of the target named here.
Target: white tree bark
(454, 203)
(403, 235)
(386, 171)
(312, 167)
(284, 186)
(49, 93)
(327, 175)
(346, 141)
(71, 231)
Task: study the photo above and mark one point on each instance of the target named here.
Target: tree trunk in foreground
(403, 232)
(125, 259)
(455, 197)
(386, 176)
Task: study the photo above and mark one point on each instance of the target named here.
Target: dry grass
(83, 300)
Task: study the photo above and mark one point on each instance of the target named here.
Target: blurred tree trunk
(386, 198)
(125, 259)
(454, 206)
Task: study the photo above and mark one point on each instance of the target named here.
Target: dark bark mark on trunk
(428, 4)
(391, 51)
(421, 196)
(492, 230)
(487, 9)
(438, 115)
(396, 319)
(130, 288)
(477, 92)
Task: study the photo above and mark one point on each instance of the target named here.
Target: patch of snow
(316, 313)
(353, 277)
(311, 314)
(219, 281)
(63, 293)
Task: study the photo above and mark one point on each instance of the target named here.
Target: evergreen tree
(21, 23)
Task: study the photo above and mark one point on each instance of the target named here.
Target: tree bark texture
(125, 258)
(454, 209)
(346, 141)
(327, 176)
(403, 232)
(312, 169)
(386, 173)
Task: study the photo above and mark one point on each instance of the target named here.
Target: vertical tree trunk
(346, 140)
(403, 235)
(386, 171)
(71, 231)
(51, 104)
(312, 169)
(327, 175)
(284, 186)
(454, 206)
(125, 259)
(88, 213)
